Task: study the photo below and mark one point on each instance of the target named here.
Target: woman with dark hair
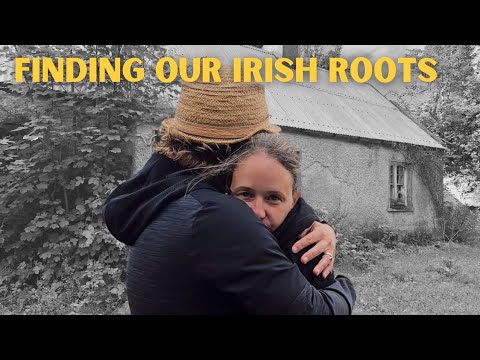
(193, 248)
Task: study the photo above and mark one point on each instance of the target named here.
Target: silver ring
(329, 255)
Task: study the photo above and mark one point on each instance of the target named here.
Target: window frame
(407, 183)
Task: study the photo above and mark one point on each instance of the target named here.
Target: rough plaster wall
(350, 179)
(142, 149)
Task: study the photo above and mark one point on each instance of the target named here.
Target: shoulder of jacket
(210, 196)
(222, 207)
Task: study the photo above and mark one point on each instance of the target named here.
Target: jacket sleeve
(299, 219)
(235, 253)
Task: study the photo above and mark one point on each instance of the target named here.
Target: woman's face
(266, 187)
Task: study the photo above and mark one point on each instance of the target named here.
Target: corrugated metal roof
(350, 109)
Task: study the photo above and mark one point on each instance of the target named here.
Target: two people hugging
(213, 218)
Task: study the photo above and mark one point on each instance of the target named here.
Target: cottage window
(400, 187)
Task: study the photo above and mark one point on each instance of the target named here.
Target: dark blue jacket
(299, 219)
(204, 252)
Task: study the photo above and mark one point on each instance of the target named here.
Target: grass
(430, 280)
(406, 280)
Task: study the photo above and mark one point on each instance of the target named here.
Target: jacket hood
(131, 207)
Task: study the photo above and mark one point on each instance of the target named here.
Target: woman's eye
(244, 194)
(274, 198)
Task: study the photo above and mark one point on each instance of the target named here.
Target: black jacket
(204, 252)
(300, 218)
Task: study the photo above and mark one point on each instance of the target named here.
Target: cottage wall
(142, 148)
(350, 180)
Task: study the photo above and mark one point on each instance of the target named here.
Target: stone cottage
(350, 137)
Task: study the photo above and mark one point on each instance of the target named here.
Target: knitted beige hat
(220, 113)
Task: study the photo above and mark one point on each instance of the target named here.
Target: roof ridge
(259, 50)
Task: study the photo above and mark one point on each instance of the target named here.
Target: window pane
(400, 175)
(401, 193)
(398, 186)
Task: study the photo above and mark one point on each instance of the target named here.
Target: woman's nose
(259, 208)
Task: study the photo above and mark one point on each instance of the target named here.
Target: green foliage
(63, 148)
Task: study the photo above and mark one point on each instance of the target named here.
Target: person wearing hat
(194, 249)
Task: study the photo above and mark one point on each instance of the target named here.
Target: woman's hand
(324, 238)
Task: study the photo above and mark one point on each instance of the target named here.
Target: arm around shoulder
(236, 254)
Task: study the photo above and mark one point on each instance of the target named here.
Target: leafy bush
(83, 293)
(62, 150)
(382, 234)
(460, 224)
(420, 237)
(358, 251)
(365, 250)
